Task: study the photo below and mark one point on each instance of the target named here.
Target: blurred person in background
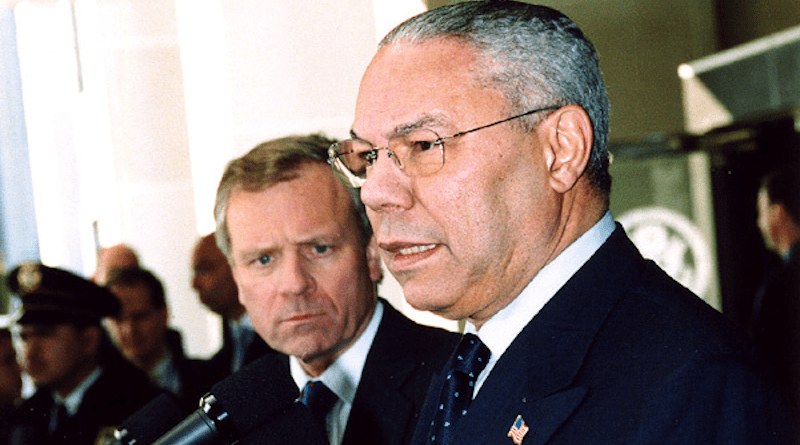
(141, 332)
(775, 318)
(110, 259)
(10, 380)
(85, 388)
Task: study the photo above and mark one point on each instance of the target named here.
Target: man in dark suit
(307, 270)
(85, 388)
(479, 144)
(775, 319)
(216, 289)
(141, 332)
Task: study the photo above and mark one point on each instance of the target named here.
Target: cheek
(253, 294)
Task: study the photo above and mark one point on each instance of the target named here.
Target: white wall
(133, 107)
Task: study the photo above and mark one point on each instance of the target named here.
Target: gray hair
(535, 55)
(269, 163)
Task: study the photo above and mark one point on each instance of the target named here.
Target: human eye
(421, 141)
(264, 259)
(320, 249)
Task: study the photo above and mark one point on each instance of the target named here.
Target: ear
(569, 137)
(374, 261)
(91, 338)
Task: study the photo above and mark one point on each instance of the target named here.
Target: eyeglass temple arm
(527, 113)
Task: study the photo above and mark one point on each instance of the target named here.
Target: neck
(315, 365)
(147, 362)
(575, 219)
(65, 388)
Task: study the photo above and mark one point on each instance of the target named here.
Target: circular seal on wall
(674, 242)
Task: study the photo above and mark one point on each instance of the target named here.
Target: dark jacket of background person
(775, 327)
(120, 391)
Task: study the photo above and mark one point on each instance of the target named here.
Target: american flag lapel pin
(518, 430)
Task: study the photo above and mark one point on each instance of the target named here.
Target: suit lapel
(535, 376)
(381, 408)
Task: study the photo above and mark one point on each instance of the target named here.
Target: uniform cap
(49, 295)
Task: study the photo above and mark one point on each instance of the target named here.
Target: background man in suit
(213, 281)
(85, 388)
(307, 269)
(775, 320)
(479, 143)
(141, 332)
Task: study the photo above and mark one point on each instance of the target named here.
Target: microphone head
(294, 424)
(152, 421)
(256, 393)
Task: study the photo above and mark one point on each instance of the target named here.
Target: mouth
(300, 318)
(404, 256)
(415, 249)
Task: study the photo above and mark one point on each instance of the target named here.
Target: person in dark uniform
(85, 388)
(10, 379)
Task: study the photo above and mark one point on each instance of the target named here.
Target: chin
(422, 301)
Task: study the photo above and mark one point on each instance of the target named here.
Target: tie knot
(319, 399)
(471, 356)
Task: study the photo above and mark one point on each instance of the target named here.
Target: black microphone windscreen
(253, 393)
(153, 420)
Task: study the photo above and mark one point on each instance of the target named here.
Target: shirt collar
(344, 374)
(242, 323)
(73, 401)
(500, 331)
(164, 373)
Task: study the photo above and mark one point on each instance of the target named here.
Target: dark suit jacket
(121, 390)
(219, 365)
(775, 327)
(622, 354)
(396, 376)
(196, 375)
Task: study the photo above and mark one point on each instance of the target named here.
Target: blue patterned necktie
(319, 400)
(469, 360)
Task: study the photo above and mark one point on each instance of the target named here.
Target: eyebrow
(426, 120)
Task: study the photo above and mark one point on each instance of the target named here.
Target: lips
(299, 318)
(406, 256)
(415, 249)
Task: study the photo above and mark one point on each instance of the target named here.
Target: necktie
(58, 420)
(469, 360)
(319, 400)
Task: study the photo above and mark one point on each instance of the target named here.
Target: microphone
(151, 421)
(251, 406)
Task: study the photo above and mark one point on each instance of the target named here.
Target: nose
(386, 188)
(196, 282)
(295, 276)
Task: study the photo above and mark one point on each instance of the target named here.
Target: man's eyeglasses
(419, 152)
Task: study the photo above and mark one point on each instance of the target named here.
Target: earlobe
(570, 140)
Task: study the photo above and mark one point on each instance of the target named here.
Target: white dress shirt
(342, 377)
(500, 331)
